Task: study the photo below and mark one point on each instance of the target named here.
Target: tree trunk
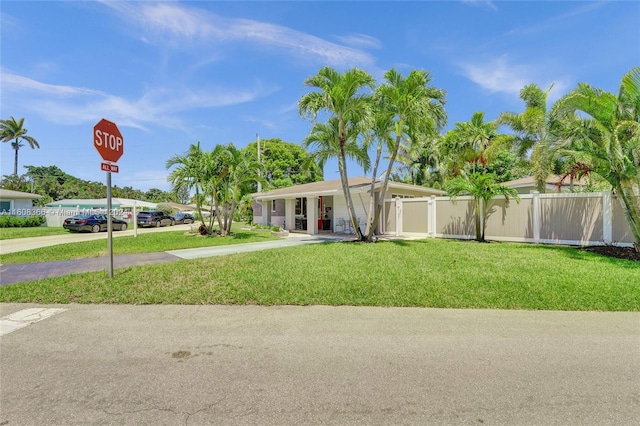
(342, 167)
(15, 162)
(372, 205)
(383, 191)
(479, 230)
(631, 211)
(230, 222)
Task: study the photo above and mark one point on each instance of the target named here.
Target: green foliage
(220, 178)
(13, 131)
(599, 132)
(7, 221)
(166, 208)
(54, 184)
(482, 187)
(284, 164)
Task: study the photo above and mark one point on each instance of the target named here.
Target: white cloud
(484, 3)
(17, 82)
(265, 123)
(557, 20)
(75, 105)
(500, 76)
(173, 24)
(360, 40)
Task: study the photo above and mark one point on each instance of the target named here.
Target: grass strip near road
(143, 243)
(36, 231)
(428, 273)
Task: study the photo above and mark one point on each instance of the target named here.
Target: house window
(273, 206)
(5, 206)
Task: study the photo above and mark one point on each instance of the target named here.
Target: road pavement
(317, 365)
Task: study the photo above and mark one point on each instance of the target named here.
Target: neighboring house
(321, 206)
(125, 208)
(554, 183)
(17, 203)
(101, 203)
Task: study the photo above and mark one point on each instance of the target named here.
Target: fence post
(536, 216)
(607, 218)
(431, 228)
(398, 216)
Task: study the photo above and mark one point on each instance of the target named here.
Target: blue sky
(173, 73)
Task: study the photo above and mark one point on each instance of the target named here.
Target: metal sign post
(109, 142)
(109, 227)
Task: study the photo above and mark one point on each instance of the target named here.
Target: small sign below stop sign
(108, 140)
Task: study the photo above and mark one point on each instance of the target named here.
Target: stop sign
(108, 140)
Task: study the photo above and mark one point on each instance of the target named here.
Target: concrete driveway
(317, 365)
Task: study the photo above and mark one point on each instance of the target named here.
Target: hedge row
(21, 222)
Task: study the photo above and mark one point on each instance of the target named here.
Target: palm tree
(421, 160)
(189, 173)
(608, 139)
(482, 187)
(323, 144)
(14, 132)
(242, 172)
(532, 129)
(470, 142)
(417, 110)
(344, 98)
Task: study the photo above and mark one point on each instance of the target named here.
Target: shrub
(21, 222)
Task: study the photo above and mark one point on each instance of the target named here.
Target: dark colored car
(93, 223)
(184, 218)
(155, 218)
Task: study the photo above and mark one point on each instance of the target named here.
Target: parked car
(93, 223)
(184, 218)
(155, 218)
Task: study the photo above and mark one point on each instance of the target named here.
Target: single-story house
(554, 183)
(17, 203)
(101, 203)
(321, 206)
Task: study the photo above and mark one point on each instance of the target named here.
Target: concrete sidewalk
(15, 273)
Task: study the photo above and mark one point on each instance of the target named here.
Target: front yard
(426, 273)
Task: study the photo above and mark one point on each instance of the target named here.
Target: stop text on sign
(109, 141)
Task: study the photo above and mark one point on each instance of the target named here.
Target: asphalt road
(252, 365)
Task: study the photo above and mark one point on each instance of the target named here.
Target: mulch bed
(627, 253)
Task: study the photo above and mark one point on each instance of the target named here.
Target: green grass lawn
(36, 231)
(143, 243)
(427, 273)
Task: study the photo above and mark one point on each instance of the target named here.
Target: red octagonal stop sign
(108, 140)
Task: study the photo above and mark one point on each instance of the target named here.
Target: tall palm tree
(323, 143)
(14, 132)
(608, 138)
(482, 187)
(532, 129)
(417, 110)
(345, 98)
